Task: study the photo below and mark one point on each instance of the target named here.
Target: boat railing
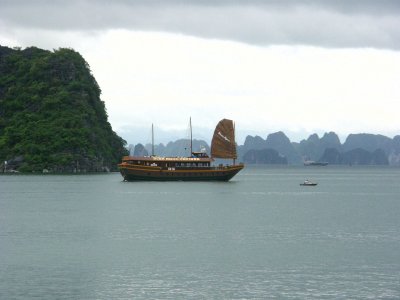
(202, 167)
(191, 167)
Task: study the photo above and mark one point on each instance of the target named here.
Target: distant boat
(197, 167)
(315, 163)
(308, 183)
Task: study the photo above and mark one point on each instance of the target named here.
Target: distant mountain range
(179, 147)
(358, 149)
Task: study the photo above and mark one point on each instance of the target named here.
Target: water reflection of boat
(197, 167)
(315, 163)
(308, 183)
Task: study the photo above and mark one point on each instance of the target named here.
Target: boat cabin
(199, 160)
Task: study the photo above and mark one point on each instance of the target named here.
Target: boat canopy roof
(166, 159)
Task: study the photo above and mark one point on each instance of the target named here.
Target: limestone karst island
(51, 116)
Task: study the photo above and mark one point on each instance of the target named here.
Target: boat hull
(136, 173)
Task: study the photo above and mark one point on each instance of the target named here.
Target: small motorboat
(308, 183)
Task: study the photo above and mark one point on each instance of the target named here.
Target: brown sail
(223, 142)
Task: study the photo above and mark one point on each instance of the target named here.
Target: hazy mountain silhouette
(358, 149)
(356, 156)
(264, 156)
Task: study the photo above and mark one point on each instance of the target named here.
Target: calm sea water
(259, 236)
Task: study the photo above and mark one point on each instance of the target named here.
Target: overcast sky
(296, 66)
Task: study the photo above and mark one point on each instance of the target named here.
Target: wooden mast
(234, 140)
(152, 139)
(191, 137)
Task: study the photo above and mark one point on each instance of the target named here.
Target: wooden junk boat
(197, 167)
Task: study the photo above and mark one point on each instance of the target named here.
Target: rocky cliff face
(355, 157)
(140, 150)
(369, 142)
(314, 147)
(264, 156)
(179, 147)
(373, 142)
(277, 141)
(251, 143)
(394, 156)
(51, 114)
(281, 143)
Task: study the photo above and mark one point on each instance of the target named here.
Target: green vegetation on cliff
(51, 115)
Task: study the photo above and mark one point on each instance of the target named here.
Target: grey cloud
(353, 23)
